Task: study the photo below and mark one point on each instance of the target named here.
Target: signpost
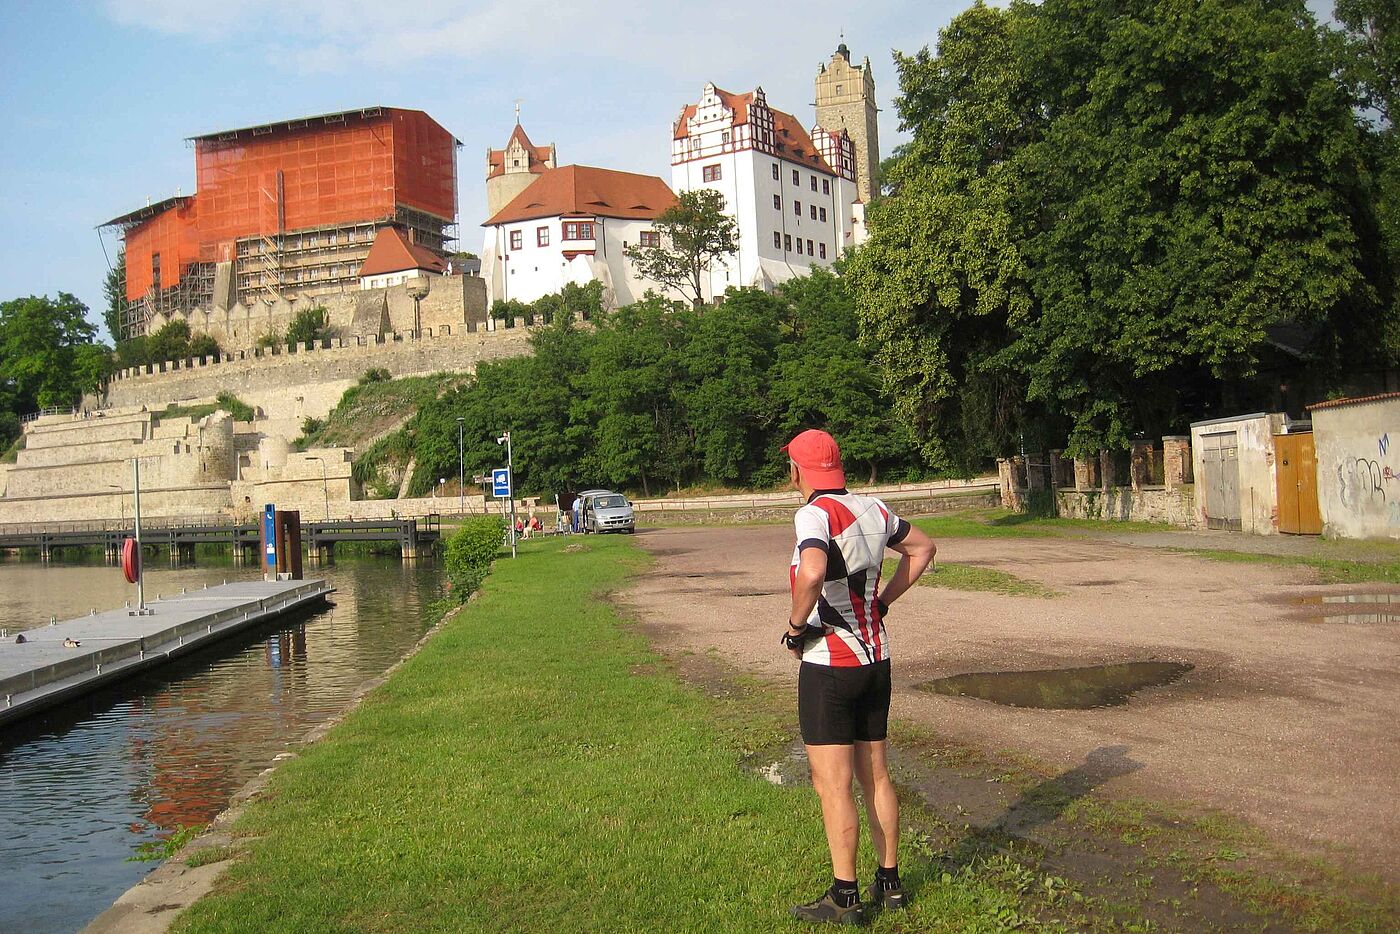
(505, 478)
(270, 540)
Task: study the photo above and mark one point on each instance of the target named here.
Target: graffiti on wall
(1363, 484)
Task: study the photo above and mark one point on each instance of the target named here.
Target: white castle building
(797, 195)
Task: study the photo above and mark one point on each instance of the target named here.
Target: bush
(470, 551)
(308, 325)
(375, 375)
(240, 410)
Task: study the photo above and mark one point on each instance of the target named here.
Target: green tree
(1105, 205)
(308, 325)
(693, 233)
(48, 355)
(114, 292)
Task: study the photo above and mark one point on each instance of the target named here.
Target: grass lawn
(954, 576)
(536, 768)
(1329, 570)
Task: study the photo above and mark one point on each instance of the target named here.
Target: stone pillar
(1176, 461)
(1140, 467)
(1006, 477)
(1106, 477)
(1084, 475)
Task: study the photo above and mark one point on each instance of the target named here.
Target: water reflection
(82, 785)
(1061, 688)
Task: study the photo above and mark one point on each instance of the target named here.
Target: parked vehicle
(606, 511)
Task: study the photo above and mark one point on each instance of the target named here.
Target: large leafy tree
(1105, 205)
(48, 353)
(694, 232)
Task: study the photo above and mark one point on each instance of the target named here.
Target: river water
(81, 786)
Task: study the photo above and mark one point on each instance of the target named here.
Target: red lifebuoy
(131, 560)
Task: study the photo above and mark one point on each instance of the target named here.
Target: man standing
(837, 628)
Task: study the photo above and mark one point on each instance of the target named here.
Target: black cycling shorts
(840, 706)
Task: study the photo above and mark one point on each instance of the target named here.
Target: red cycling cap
(819, 457)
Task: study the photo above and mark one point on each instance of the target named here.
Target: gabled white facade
(793, 211)
(526, 260)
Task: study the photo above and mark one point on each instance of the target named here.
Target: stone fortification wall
(455, 302)
(182, 503)
(273, 378)
(1175, 507)
(84, 431)
(181, 454)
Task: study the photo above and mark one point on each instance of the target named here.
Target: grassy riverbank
(535, 768)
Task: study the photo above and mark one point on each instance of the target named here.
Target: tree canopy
(693, 233)
(655, 396)
(1112, 216)
(48, 353)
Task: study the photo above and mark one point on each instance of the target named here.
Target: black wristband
(794, 641)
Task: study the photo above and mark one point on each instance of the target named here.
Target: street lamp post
(325, 487)
(461, 471)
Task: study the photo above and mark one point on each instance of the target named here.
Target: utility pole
(140, 562)
(461, 472)
(510, 473)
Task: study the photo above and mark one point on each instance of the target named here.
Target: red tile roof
(585, 191)
(536, 156)
(792, 141)
(392, 252)
(1333, 403)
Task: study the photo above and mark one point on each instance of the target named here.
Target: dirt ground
(1288, 719)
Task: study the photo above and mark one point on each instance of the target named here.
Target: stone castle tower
(846, 101)
(511, 170)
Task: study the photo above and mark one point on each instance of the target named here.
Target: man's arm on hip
(916, 550)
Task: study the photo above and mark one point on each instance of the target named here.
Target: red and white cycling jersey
(854, 531)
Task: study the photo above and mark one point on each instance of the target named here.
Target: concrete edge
(152, 905)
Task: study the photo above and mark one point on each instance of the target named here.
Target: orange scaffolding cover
(355, 170)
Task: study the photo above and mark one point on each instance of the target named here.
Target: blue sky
(99, 97)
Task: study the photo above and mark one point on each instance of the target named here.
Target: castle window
(787, 242)
(775, 169)
(578, 230)
(796, 179)
(822, 247)
(822, 212)
(810, 251)
(541, 236)
(517, 239)
(650, 238)
(515, 163)
(799, 246)
(777, 240)
(777, 202)
(797, 208)
(710, 173)
(814, 183)
(826, 186)
(724, 137)
(813, 209)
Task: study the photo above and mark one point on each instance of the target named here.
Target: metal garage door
(1220, 459)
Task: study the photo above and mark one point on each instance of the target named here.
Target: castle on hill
(355, 212)
(797, 195)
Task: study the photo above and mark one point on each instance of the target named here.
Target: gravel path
(1287, 720)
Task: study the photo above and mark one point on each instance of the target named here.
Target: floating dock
(40, 672)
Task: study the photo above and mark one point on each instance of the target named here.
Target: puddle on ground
(1061, 688)
(1359, 608)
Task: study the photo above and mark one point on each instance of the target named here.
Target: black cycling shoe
(888, 899)
(825, 911)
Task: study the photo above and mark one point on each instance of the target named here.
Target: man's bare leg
(832, 770)
(881, 804)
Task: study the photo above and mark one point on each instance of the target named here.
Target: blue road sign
(500, 482)
(270, 535)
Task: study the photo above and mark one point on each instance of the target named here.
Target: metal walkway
(41, 672)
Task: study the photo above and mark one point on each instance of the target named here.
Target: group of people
(527, 527)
